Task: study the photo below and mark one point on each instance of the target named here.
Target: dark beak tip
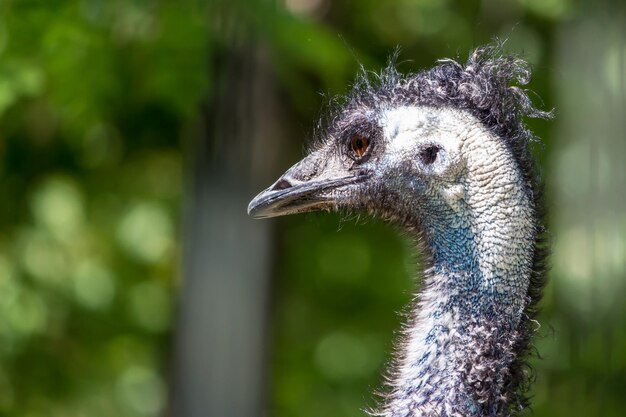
(253, 208)
(258, 208)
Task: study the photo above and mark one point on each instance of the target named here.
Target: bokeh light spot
(94, 285)
(141, 390)
(27, 313)
(58, 205)
(145, 231)
(44, 258)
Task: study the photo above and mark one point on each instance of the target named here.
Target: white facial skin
(472, 183)
(412, 131)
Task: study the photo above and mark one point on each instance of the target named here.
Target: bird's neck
(458, 350)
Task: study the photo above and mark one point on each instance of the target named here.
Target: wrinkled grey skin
(453, 183)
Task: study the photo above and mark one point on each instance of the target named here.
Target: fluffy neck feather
(463, 338)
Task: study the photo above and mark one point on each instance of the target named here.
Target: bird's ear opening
(428, 155)
(437, 160)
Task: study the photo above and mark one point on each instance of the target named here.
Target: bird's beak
(314, 183)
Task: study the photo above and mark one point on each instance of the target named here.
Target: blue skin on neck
(456, 288)
(455, 259)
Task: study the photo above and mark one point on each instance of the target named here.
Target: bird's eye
(428, 155)
(359, 144)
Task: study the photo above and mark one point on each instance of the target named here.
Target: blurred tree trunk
(590, 176)
(220, 347)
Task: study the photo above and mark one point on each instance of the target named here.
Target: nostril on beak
(281, 185)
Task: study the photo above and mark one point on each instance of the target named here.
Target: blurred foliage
(95, 97)
(96, 100)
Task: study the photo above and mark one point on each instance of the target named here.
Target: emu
(443, 153)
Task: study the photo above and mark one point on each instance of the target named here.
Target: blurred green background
(134, 132)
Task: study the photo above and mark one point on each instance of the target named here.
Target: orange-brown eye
(359, 144)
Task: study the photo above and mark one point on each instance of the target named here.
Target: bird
(445, 154)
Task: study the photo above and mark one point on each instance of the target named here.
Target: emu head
(388, 160)
(411, 148)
